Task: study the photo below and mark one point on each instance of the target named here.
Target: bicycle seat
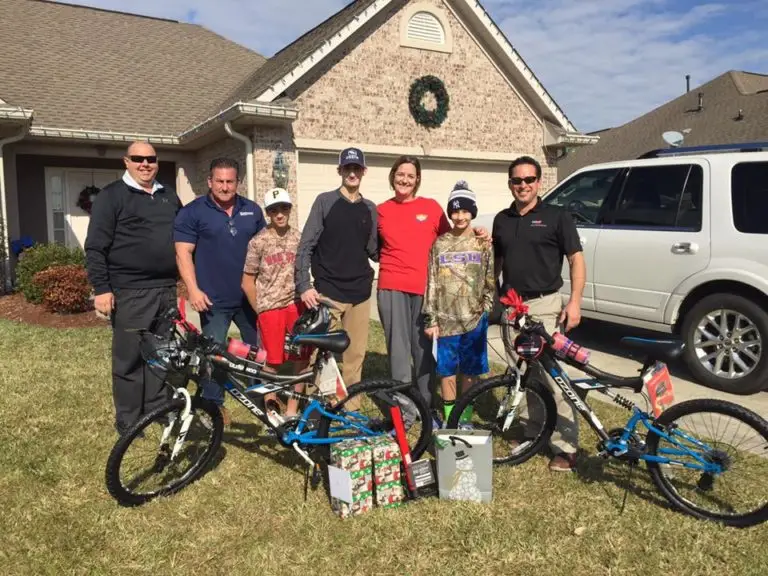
(335, 342)
(664, 350)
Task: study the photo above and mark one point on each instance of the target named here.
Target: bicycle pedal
(317, 477)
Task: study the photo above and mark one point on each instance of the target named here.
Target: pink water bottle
(567, 348)
(242, 350)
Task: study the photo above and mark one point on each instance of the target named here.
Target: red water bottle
(242, 350)
(567, 348)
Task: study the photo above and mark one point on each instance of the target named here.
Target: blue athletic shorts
(464, 353)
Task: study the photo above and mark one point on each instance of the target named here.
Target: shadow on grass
(597, 470)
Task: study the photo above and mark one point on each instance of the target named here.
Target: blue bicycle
(172, 446)
(707, 457)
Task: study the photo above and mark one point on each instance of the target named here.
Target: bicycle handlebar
(519, 317)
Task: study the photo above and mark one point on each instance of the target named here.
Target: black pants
(135, 389)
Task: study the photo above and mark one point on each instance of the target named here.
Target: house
(88, 81)
(730, 109)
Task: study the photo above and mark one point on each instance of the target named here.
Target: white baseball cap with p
(277, 196)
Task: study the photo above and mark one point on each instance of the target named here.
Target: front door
(67, 223)
(654, 237)
(583, 195)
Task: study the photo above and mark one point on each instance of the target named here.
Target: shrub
(64, 289)
(39, 258)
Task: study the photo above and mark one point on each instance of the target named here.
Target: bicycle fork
(186, 421)
(510, 402)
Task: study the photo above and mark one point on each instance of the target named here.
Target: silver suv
(677, 241)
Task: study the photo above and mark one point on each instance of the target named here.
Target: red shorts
(273, 326)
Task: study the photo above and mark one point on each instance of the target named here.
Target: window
(57, 211)
(661, 197)
(584, 194)
(749, 197)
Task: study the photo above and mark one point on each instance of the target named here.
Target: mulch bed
(15, 308)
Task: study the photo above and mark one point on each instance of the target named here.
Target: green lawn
(248, 516)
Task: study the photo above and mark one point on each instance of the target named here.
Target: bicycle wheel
(150, 443)
(362, 407)
(696, 426)
(491, 403)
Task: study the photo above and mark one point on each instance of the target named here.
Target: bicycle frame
(621, 446)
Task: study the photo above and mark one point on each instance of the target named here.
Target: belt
(534, 295)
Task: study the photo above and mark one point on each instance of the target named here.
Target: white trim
(261, 110)
(333, 147)
(330, 44)
(15, 113)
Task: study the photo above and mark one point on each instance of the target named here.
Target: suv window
(584, 194)
(661, 197)
(749, 197)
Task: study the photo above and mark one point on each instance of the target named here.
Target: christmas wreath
(424, 117)
(86, 198)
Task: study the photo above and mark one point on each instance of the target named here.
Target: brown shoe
(563, 463)
(225, 415)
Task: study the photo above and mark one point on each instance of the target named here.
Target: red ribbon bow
(513, 300)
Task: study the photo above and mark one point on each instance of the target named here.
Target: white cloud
(608, 61)
(604, 61)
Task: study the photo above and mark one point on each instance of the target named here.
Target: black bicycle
(699, 472)
(173, 445)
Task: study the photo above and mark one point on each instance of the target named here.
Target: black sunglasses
(140, 159)
(528, 180)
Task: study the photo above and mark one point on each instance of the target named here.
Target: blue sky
(604, 61)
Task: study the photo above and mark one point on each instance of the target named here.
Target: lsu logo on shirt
(460, 258)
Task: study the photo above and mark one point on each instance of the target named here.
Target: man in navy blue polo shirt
(211, 235)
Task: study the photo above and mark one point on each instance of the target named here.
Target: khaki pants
(565, 437)
(354, 319)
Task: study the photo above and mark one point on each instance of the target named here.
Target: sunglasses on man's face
(528, 180)
(140, 159)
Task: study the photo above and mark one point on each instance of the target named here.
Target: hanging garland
(424, 117)
(86, 198)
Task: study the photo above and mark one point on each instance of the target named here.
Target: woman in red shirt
(408, 226)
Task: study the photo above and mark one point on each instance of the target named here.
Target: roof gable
(290, 64)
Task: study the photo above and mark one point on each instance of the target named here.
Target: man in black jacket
(132, 267)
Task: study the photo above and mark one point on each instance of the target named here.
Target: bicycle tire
(664, 486)
(504, 381)
(371, 386)
(124, 495)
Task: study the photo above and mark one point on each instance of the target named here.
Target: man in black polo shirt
(339, 237)
(530, 240)
(132, 268)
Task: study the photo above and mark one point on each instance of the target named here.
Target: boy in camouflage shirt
(459, 296)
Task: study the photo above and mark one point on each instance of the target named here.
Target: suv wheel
(725, 343)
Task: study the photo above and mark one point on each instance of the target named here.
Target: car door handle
(685, 248)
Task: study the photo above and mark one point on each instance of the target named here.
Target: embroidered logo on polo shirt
(245, 214)
(538, 224)
(421, 217)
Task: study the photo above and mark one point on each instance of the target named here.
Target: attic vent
(425, 27)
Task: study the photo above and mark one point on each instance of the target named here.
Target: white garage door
(317, 173)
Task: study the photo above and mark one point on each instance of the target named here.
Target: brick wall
(226, 148)
(362, 96)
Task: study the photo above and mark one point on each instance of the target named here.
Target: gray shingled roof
(286, 59)
(716, 123)
(86, 68)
